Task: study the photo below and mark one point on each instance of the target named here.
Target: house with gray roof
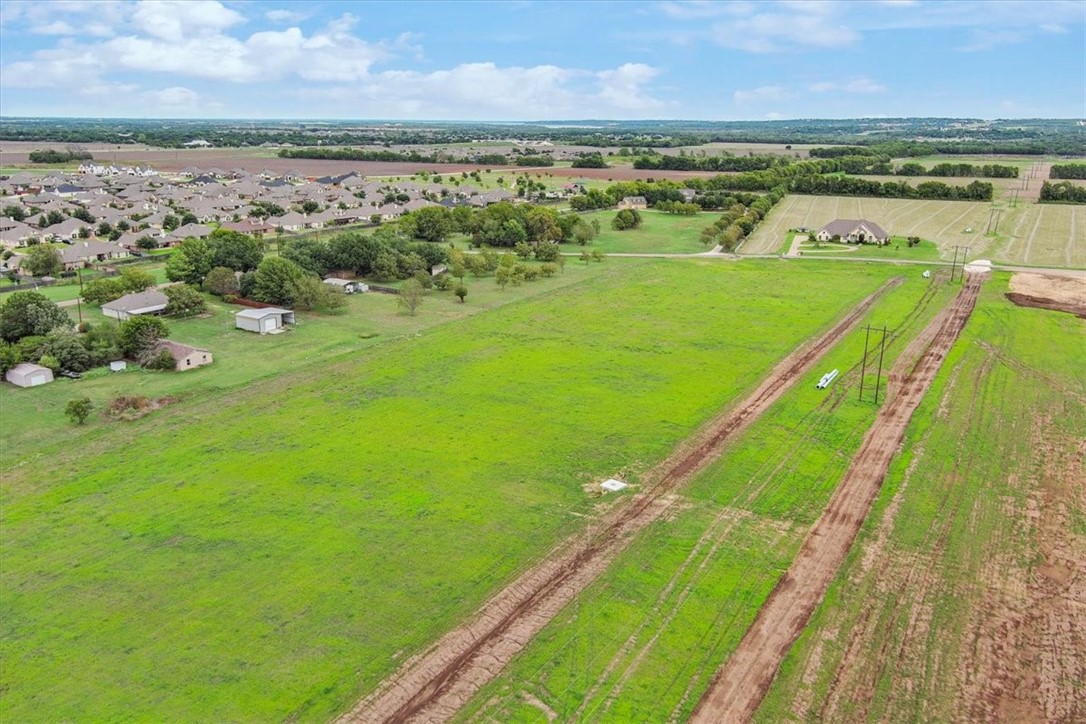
(152, 301)
(854, 231)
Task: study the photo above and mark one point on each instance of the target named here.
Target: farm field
(242, 358)
(1030, 234)
(276, 586)
(644, 640)
(964, 595)
(660, 233)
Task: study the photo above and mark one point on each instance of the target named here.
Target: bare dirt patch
(742, 682)
(1063, 294)
(436, 683)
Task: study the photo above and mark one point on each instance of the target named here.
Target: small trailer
(827, 378)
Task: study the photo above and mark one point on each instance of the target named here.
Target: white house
(29, 375)
(263, 321)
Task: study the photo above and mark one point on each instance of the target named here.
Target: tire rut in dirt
(742, 682)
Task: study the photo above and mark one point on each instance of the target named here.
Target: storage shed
(347, 286)
(185, 357)
(29, 375)
(263, 321)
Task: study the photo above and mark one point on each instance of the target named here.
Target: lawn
(660, 233)
(959, 599)
(643, 642)
(898, 248)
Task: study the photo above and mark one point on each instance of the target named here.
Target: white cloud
(486, 90)
(773, 116)
(624, 87)
(57, 27)
(857, 85)
(1053, 28)
(173, 96)
(981, 40)
(761, 94)
(699, 9)
(777, 32)
(285, 16)
(176, 20)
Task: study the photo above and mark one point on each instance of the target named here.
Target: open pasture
(643, 641)
(659, 233)
(1032, 234)
(281, 548)
(963, 596)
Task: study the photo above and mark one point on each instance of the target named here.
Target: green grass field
(898, 248)
(659, 234)
(242, 358)
(642, 643)
(964, 568)
(272, 545)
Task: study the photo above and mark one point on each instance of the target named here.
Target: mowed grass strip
(659, 233)
(643, 642)
(933, 614)
(274, 552)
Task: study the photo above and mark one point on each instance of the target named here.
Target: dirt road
(742, 682)
(433, 685)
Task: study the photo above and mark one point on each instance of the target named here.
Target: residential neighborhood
(109, 212)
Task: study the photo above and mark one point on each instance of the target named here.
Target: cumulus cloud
(624, 87)
(175, 20)
(285, 16)
(173, 96)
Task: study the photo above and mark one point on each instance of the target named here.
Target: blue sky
(542, 60)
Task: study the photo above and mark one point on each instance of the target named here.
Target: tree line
(50, 155)
(1062, 192)
(1068, 170)
(364, 154)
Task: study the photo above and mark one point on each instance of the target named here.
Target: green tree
(14, 211)
(84, 215)
(598, 255)
(234, 250)
(103, 290)
(503, 276)
(170, 222)
(136, 280)
(9, 357)
(190, 262)
(308, 292)
(147, 243)
(221, 281)
(626, 219)
(43, 260)
(586, 257)
(67, 349)
(308, 253)
(275, 279)
(24, 314)
(78, 410)
(547, 252)
(183, 300)
(411, 296)
(460, 291)
(523, 249)
(385, 266)
(431, 223)
(139, 334)
(310, 207)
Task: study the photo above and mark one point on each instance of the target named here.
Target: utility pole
(863, 369)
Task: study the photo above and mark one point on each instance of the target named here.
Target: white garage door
(268, 324)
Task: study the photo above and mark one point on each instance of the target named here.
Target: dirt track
(433, 685)
(742, 682)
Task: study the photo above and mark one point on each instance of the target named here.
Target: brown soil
(1061, 293)
(436, 683)
(743, 681)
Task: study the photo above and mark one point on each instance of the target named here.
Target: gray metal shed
(263, 321)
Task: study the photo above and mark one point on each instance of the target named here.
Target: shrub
(160, 360)
(78, 410)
